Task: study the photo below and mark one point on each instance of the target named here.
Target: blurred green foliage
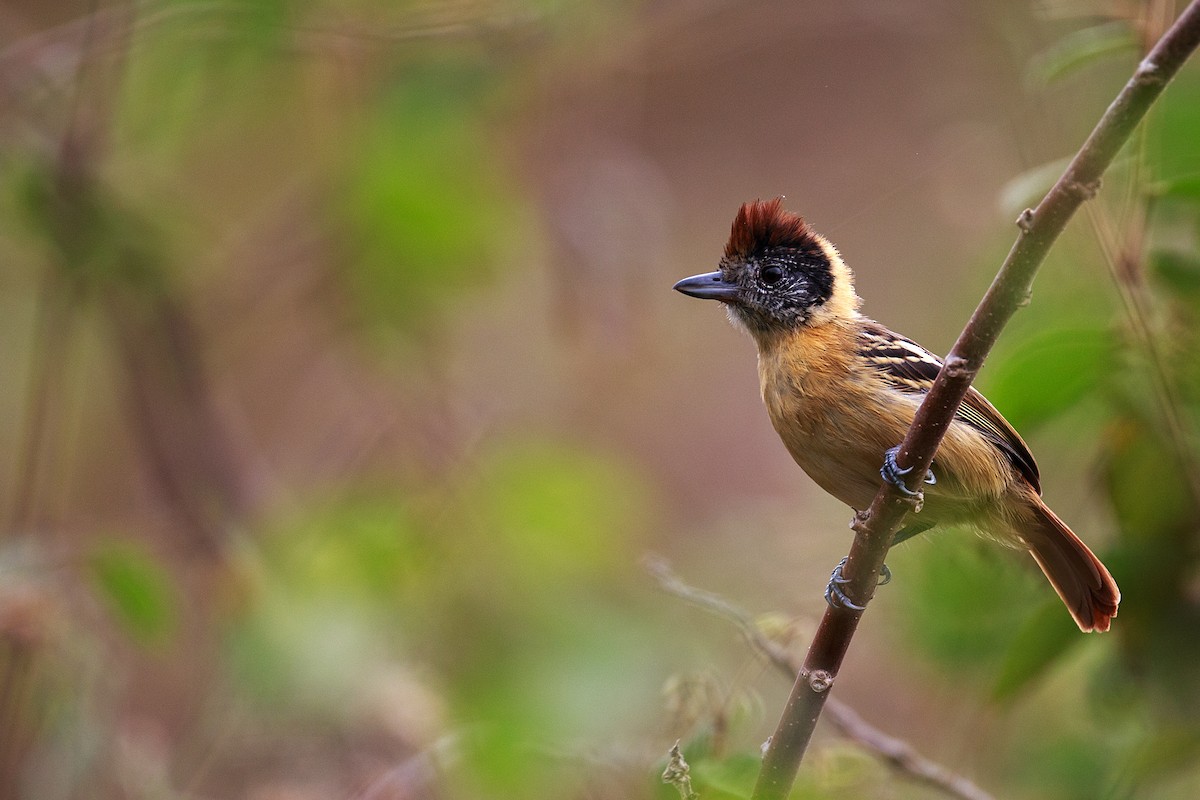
(420, 599)
(1110, 354)
(478, 582)
(421, 219)
(137, 590)
(1067, 365)
(1079, 50)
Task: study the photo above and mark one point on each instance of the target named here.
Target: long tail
(1083, 583)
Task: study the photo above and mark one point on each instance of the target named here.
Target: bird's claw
(834, 595)
(891, 472)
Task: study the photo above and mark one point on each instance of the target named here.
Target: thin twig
(896, 753)
(54, 314)
(875, 528)
(190, 451)
(678, 774)
(1126, 268)
(49, 353)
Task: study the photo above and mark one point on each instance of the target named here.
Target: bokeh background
(344, 395)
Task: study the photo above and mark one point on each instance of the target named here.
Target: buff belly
(841, 446)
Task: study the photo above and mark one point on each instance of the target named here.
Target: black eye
(771, 275)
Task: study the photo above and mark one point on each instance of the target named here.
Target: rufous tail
(1083, 583)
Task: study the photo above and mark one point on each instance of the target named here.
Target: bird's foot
(891, 472)
(835, 596)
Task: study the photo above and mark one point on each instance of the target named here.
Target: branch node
(842, 716)
(1084, 190)
(956, 366)
(1039, 228)
(859, 523)
(1149, 72)
(1025, 221)
(820, 680)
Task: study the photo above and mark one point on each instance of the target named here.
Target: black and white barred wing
(910, 368)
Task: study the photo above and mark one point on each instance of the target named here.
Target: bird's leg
(892, 473)
(834, 595)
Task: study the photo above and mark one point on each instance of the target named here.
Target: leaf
(950, 611)
(136, 589)
(359, 546)
(425, 207)
(1171, 133)
(1184, 188)
(557, 514)
(1078, 50)
(1178, 269)
(1029, 187)
(731, 778)
(1038, 644)
(1055, 761)
(1148, 495)
(1050, 373)
(1164, 753)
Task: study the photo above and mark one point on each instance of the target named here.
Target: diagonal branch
(897, 753)
(874, 528)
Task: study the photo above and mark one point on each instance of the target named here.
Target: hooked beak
(709, 286)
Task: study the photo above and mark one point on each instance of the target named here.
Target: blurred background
(344, 394)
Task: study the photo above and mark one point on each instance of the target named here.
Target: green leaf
(1184, 188)
(1080, 49)
(1148, 494)
(1039, 643)
(731, 778)
(1171, 132)
(1050, 373)
(559, 514)
(1055, 761)
(137, 590)
(359, 546)
(425, 207)
(1029, 187)
(963, 599)
(1165, 752)
(1178, 269)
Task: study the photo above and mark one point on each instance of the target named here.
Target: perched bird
(841, 391)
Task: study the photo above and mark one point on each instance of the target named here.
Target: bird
(842, 389)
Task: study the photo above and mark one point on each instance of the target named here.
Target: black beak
(709, 286)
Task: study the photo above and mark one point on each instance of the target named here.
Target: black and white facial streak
(781, 287)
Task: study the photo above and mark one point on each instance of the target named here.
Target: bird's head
(777, 274)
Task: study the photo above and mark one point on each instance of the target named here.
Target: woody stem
(874, 529)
